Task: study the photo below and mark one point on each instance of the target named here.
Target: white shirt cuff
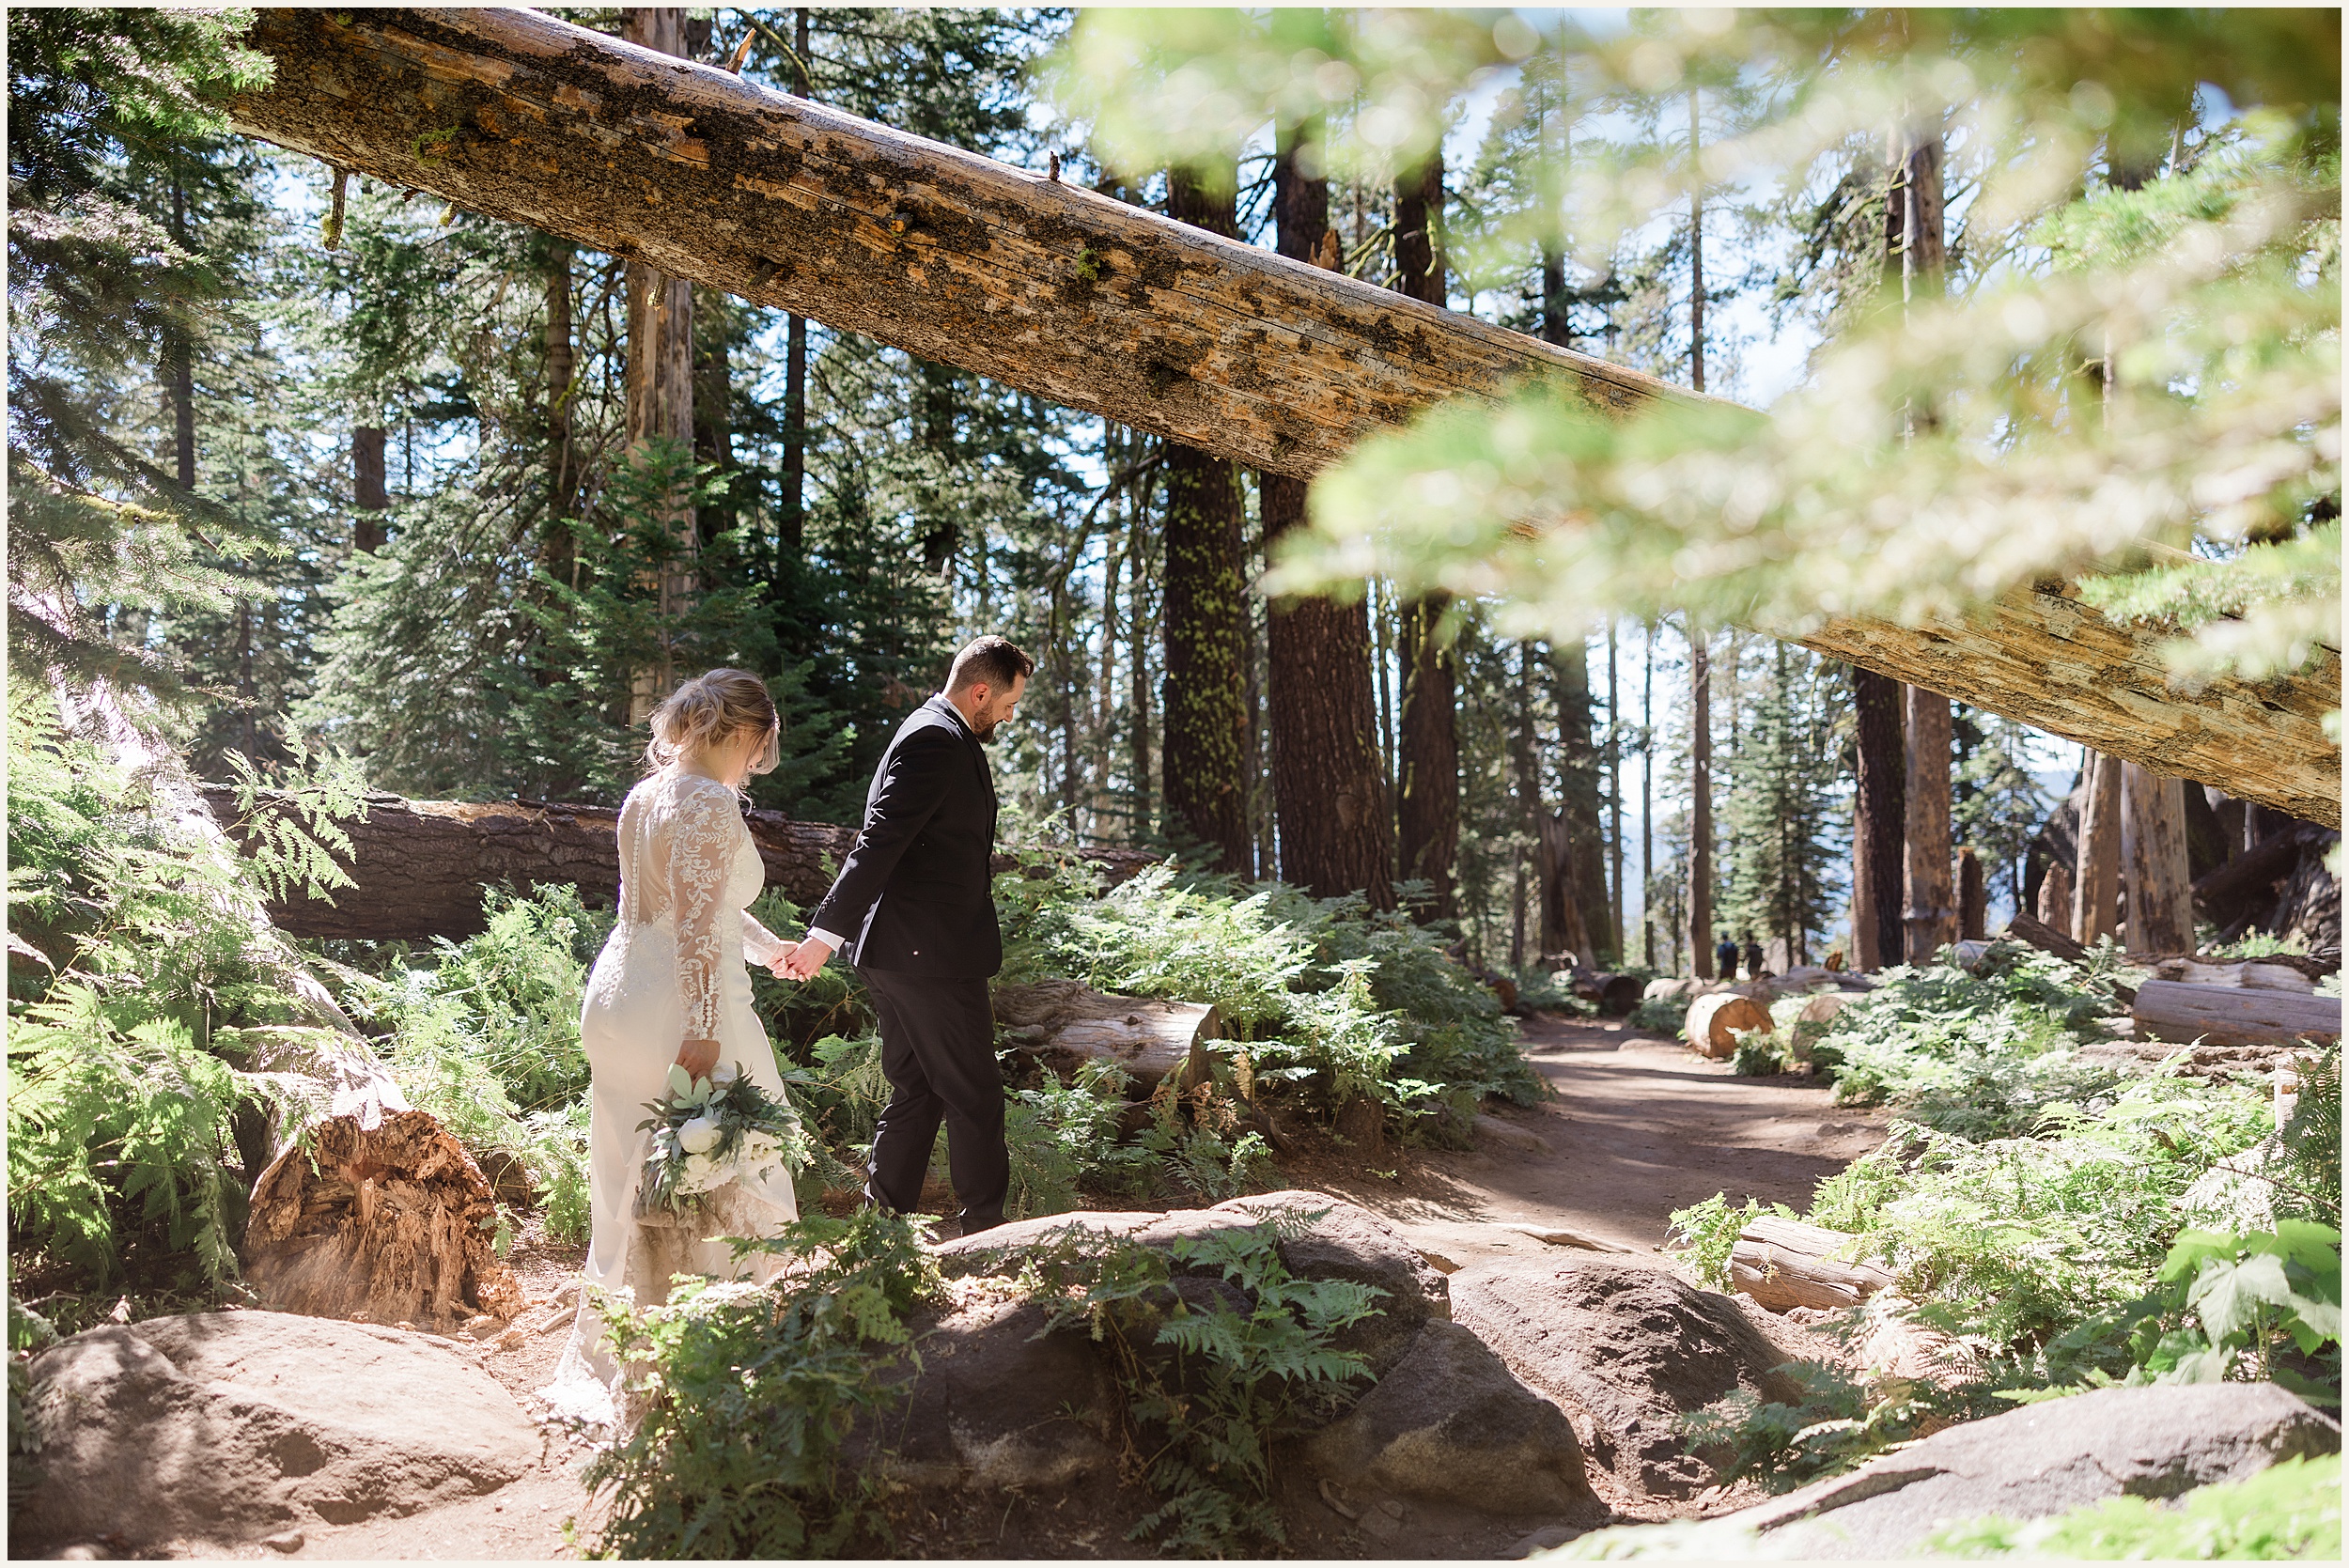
(816, 934)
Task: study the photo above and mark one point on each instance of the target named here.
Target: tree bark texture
(1929, 912)
(1066, 1025)
(1879, 820)
(1329, 785)
(1973, 898)
(1428, 765)
(1785, 1262)
(2232, 1014)
(2097, 874)
(370, 497)
(421, 865)
(1578, 768)
(1205, 751)
(2055, 900)
(660, 382)
(1073, 296)
(1427, 753)
(1562, 927)
(2152, 818)
(1701, 804)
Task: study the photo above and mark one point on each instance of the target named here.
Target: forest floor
(1638, 1127)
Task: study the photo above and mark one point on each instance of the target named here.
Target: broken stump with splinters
(389, 1223)
(1785, 1262)
(1066, 1024)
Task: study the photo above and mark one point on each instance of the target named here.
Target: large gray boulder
(2029, 1464)
(1634, 1348)
(1450, 1423)
(223, 1427)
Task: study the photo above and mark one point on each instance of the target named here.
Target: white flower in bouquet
(700, 1135)
(700, 1173)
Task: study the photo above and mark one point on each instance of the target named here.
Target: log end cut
(1715, 1022)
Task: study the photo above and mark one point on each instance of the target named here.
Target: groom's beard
(983, 732)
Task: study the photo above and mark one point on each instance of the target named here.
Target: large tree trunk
(1879, 820)
(1929, 913)
(1579, 765)
(1701, 803)
(659, 389)
(1428, 765)
(1207, 725)
(2097, 874)
(2153, 819)
(421, 865)
(1328, 788)
(370, 497)
(1080, 299)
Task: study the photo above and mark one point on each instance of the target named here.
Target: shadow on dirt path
(1639, 1126)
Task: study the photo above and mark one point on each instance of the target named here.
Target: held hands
(779, 965)
(804, 959)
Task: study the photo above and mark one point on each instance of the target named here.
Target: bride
(670, 986)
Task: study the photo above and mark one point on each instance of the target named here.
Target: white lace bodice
(686, 861)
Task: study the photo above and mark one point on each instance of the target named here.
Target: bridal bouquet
(706, 1132)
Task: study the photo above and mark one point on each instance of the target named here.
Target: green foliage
(748, 1393)
(1664, 1016)
(1326, 993)
(1210, 1388)
(1980, 1054)
(1838, 1421)
(2288, 1511)
(2231, 1305)
(2310, 1139)
(1706, 1234)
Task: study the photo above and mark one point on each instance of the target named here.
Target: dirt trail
(1640, 1126)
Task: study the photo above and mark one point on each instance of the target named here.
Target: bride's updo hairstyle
(708, 708)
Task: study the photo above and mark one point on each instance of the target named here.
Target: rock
(283, 1540)
(1346, 1242)
(1511, 1135)
(2041, 1460)
(1450, 1423)
(1633, 1347)
(1000, 1402)
(231, 1426)
(1715, 1021)
(1547, 1538)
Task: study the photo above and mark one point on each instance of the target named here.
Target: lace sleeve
(759, 946)
(701, 845)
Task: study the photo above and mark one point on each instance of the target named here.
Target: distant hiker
(1754, 959)
(1725, 959)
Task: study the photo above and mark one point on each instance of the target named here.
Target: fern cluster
(1211, 1378)
(1330, 995)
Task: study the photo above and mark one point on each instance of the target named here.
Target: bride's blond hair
(708, 708)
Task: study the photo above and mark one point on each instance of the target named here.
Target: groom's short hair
(990, 658)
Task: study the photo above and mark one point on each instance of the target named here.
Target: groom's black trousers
(938, 1051)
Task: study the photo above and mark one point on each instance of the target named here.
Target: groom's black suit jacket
(914, 897)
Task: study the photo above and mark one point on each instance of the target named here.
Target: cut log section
(421, 865)
(1071, 296)
(2232, 1014)
(1615, 995)
(1785, 1262)
(1715, 1021)
(1817, 1016)
(387, 1224)
(1066, 1025)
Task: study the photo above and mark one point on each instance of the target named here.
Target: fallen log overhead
(1069, 295)
(421, 865)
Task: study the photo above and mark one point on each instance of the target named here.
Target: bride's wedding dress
(672, 969)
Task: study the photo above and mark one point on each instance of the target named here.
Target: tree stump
(1615, 994)
(385, 1224)
(1785, 1263)
(1066, 1024)
(1817, 1016)
(1715, 1021)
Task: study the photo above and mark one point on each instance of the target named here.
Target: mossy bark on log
(391, 1224)
(1075, 297)
(421, 865)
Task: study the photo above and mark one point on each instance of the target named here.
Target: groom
(915, 901)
